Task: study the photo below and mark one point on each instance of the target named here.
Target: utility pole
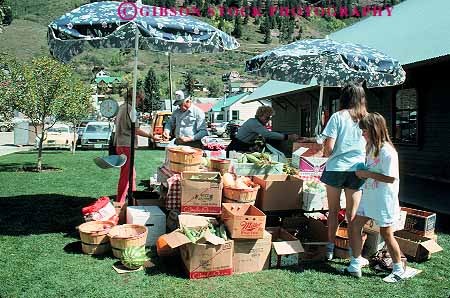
(170, 81)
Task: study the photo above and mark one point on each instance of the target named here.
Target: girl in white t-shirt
(380, 194)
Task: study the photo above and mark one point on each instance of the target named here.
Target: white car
(58, 136)
(97, 135)
(219, 129)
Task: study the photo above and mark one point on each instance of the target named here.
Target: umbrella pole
(133, 120)
(319, 111)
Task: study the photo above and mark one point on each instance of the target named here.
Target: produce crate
(420, 222)
(250, 169)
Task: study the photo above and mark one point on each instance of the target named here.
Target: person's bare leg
(394, 250)
(356, 235)
(352, 199)
(392, 245)
(333, 195)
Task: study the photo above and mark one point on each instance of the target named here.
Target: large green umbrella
(124, 25)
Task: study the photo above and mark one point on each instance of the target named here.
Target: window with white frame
(234, 115)
(406, 121)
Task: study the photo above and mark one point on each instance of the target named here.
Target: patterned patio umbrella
(111, 24)
(330, 63)
(125, 25)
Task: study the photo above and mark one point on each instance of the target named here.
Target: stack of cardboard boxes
(417, 240)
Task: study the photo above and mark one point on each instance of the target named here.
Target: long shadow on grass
(25, 167)
(333, 268)
(167, 265)
(40, 214)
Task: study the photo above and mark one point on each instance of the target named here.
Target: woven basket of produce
(128, 235)
(184, 158)
(94, 237)
(239, 195)
(219, 164)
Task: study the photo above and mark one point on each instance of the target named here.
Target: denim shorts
(342, 179)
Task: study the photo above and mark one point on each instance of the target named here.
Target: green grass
(40, 253)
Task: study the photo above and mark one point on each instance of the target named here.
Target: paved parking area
(7, 144)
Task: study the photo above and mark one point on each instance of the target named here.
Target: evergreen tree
(198, 4)
(245, 4)
(290, 27)
(272, 22)
(152, 99)
(205, 7)
(257, 4)
(263, 27)
(221, 25)
(237, 32)
(215, 88)
(189, 82)
(267, 37)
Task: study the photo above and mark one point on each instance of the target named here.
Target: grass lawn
(40, 253)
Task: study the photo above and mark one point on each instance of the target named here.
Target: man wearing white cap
(187, 122)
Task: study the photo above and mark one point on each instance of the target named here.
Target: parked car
(159, 120)
(6, 125)
(232, 128)
(96, 135)
(58, 136)
(80, 130)
(219, 129)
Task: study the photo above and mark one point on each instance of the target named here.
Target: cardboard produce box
(208, 260)
(201, 195)
(252, 255)
(417, 247)
(150, 216)
(211, 256)
(243, 221)
(314, 149)
(148, 198)
(251, 169)
(308, 165)
(313, 235)
(420, 222)
(121, 211)
(278, 192)
(285, 248)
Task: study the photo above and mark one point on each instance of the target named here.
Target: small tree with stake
(42, 91)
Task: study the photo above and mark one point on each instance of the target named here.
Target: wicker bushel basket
(342, 240)
(94, 237)
(128, 235)
(240, 195)
(189, 159)
(219, 164)
(342, 243)
(225, 200)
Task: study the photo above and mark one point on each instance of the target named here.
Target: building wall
(431, 157)
(246, 111)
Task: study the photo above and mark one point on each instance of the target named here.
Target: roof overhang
(274, 89)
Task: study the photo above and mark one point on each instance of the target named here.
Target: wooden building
(417, 112)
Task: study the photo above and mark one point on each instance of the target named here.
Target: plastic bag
(276, 154)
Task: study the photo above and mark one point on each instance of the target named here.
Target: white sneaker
(394, 277)
(357, 273)
(363, 262)
(329, 255)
